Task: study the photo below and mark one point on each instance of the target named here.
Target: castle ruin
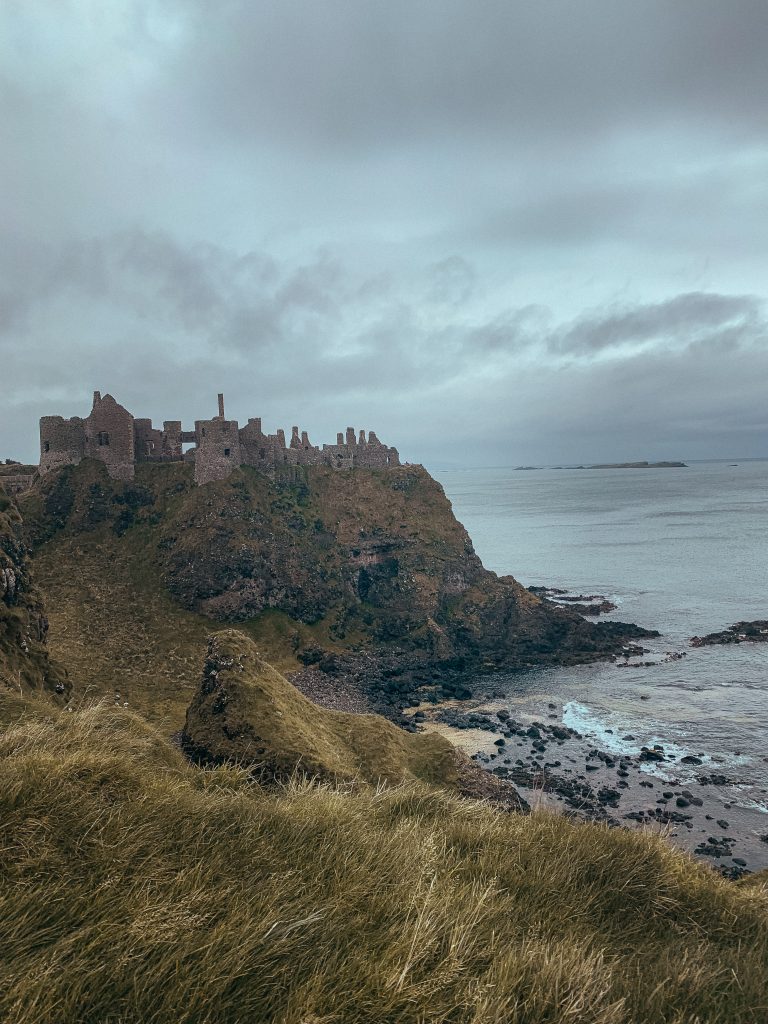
(114, 436)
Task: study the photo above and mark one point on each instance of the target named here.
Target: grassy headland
(316, 566)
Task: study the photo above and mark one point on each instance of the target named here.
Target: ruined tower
(106, 434)
(218, 447)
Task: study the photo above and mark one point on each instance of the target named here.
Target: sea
(680, 550)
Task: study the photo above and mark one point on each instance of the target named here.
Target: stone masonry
(111, 434)
(16, 483)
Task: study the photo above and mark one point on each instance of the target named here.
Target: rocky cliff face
(373, 561)
(380, 557)
(24, 661)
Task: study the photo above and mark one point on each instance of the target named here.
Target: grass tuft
(138, 888)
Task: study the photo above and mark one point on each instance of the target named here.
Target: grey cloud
(475, 228)
(203, 290)
(685, 319)
(366, 74)
(188, 310)
(510, 332)
(644, 407)
(451, 280)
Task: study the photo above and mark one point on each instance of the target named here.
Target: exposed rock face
(24, 661)
(381, 554)
(754, 632)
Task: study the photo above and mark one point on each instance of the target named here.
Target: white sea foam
(589, 723)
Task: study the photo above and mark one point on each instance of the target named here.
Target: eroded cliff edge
(365, 575)
(24, 661)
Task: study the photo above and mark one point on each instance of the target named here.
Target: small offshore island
(636, 465)
(617, 465)
(222, 691)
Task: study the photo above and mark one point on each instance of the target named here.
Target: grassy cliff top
(139, 888)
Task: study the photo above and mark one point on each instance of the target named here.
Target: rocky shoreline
(689, 799)
(584, 604)
(389, 679)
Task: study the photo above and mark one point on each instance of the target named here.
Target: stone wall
(352, 452)
(17, 482)
(62, 442)
(111, 434)
(109, 437)
(218, 449)
(260, 450)
(153, 445)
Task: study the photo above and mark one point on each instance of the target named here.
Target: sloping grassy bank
(140, 889)
(246, 712)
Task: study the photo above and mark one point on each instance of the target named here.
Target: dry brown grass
(141, 890)
(247, 712)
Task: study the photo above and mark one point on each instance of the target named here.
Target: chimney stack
(221, 406)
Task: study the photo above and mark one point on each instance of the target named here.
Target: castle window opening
(103, 439)
(47, 446)
(227, 452)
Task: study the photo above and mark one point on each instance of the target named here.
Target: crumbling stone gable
(111, 434)
(109, 437)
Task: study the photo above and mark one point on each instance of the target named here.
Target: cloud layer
(495, 232)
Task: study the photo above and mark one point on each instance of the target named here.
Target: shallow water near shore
(683, 551)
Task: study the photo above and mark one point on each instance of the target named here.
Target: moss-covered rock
(24, 660)
(245, 711)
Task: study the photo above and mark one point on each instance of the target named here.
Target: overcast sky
(493, 231)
